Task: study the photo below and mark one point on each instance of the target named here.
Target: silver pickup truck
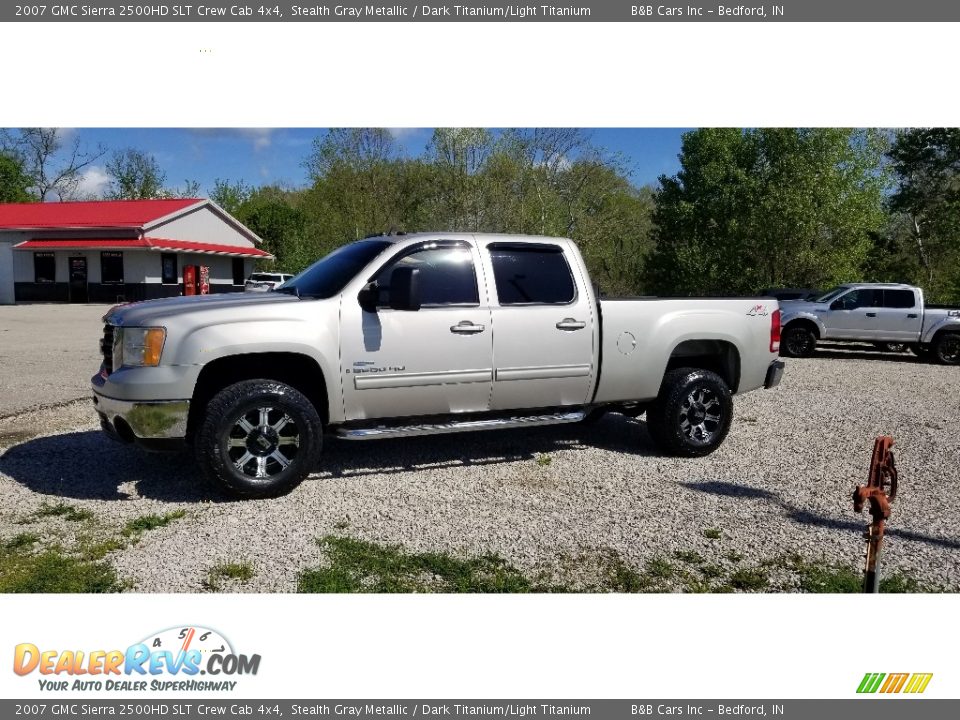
(405, 335)
(881, 313)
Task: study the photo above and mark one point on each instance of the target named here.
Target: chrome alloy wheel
(263, 442)
(700, 415)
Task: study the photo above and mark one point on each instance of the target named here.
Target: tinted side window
(531, 274)
(864, 297)
(447, 276)
(898, 298)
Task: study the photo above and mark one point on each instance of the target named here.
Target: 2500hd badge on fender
(422, 334)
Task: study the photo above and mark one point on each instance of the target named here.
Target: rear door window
(898, 299)
(531, 274)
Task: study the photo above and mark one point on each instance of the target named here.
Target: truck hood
(140, 314)
(794, 307)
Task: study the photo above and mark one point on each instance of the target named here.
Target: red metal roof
(146, 243)
(97, 213)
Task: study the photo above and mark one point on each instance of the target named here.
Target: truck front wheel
(259, 438)
(691, 416)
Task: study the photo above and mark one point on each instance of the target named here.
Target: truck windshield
(832, 294)
(328, 276)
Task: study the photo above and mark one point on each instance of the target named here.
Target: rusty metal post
(880, 491)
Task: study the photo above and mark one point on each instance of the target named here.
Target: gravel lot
(547, 500)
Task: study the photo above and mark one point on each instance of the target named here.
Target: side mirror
(405, 288)
(368, 297)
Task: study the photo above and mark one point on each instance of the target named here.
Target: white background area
(473, 74)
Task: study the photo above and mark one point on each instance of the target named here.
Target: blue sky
(266, 156)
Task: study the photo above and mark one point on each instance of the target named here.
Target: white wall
(202, 225)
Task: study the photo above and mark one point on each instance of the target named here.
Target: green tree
(134, 175)
(14, 182)
(927, 166)
(773, 206)
(272, 214)
(230, 195)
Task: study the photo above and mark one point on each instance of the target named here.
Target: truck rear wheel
(798, 341)
(946, 348)
(692, 415)
(259, 438)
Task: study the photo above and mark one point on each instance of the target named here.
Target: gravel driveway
(549, 500)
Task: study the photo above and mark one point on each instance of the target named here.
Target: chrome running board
(386, 431)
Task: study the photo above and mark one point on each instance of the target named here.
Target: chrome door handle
(465, 327)
(871, 314)
(571, 324)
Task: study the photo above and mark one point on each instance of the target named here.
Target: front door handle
(571, 324)
(911, 315)
(871, 314)
(465, 327)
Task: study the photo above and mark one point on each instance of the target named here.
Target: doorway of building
(78, 280)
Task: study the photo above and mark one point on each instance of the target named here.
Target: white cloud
(261, 138)
(403, 133)
(94, 182)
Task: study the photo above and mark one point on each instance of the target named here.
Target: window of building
(531, 274)
(238, 278)
(111, 267)
(44, 267)
(168, 268)
(447, 276)
(898, 299)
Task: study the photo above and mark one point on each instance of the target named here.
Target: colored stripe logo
(913, 683)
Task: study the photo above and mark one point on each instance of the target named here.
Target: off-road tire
(946, 348)
(259, 438)
(679, 420)
(798, 341)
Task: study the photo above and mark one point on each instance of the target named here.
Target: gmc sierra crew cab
(394, 336)
(883, 313)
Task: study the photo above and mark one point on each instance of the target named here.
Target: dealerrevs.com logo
(173, 659)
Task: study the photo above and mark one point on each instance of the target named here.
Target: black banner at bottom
(871, 707)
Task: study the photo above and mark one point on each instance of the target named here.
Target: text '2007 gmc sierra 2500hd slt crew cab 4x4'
(422, 334)
(882, 313)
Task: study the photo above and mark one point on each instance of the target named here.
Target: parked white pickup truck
(420, 334)
(882, 313)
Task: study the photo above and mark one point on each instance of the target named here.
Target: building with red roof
(121, 250)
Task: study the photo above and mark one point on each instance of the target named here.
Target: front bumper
(153, 424)
(774, 374)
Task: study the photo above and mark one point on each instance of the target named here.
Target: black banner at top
(472, 11)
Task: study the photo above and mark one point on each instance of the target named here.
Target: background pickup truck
(422, 334)
(874, 312)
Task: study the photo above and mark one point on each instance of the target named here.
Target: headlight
(138, 346)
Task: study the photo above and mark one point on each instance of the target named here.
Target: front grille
(106, 348)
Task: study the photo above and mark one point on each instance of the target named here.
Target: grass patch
(144, 523)
(828, 578)
(241, 572)
(544, 460)
(21, 541)
(99, 549)
(62, 510)
(750, 580)
(659, 569)
(53, 571)
(361, 566)
(711, 572)
(734, 556)
(712, 534)
(688, 556)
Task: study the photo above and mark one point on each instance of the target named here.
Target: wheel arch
(719, 356)
(805, 322)
(295, 369)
